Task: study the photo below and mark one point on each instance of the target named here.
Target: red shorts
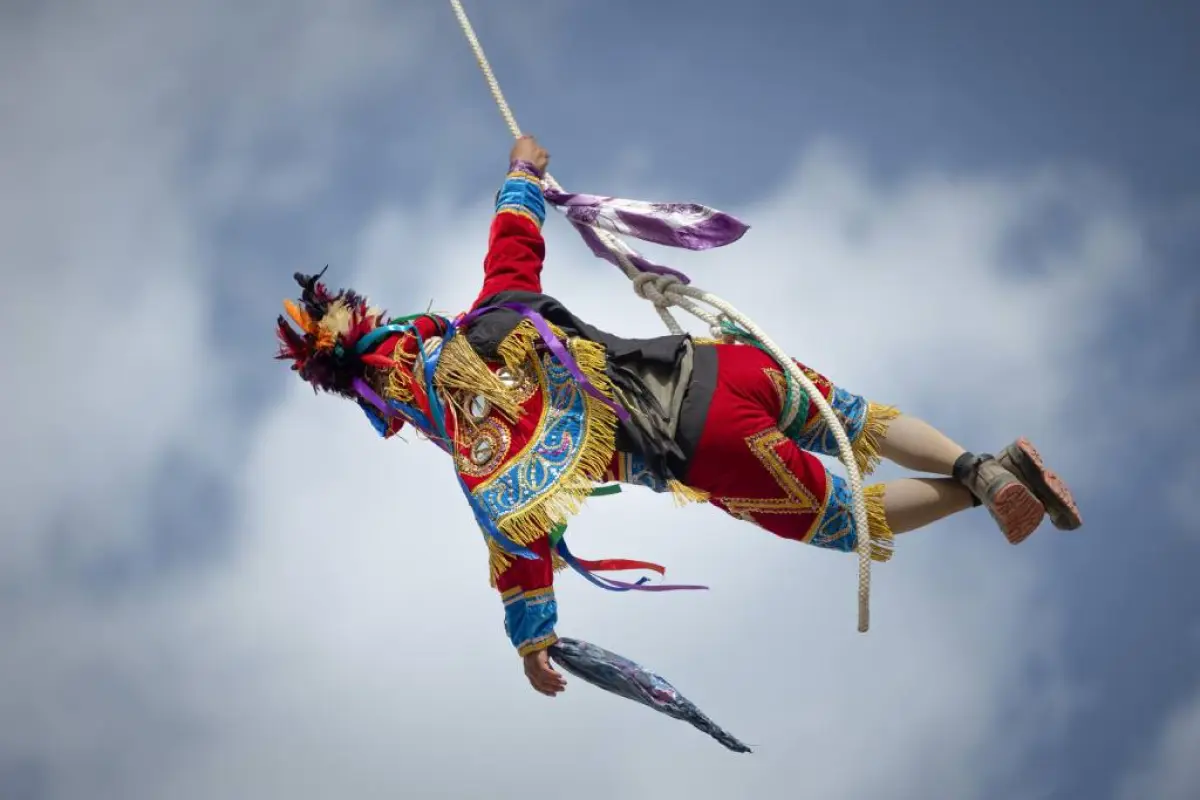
(755, 471)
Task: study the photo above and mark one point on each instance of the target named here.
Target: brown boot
(1022, 459)
(1012, 505)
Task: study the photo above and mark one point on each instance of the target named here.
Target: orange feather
(300, 317)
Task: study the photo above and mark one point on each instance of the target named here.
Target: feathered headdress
(329, 326)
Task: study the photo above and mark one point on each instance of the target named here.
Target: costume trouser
(756, 472)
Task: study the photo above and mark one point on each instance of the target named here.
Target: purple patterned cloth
(622, 677)
(687, 225)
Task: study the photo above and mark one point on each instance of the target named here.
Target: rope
(665, 291)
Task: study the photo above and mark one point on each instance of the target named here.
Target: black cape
(648, 432)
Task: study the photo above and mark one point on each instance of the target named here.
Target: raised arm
(516, 249)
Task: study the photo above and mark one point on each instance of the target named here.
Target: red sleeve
(516, 252)
(530, 609)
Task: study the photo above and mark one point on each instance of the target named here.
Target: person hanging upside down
(537, 408)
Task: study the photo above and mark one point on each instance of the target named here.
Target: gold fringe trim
(499, 562)
(573, 488)
(882, 538)
(874, 429)
(685, 494)
(522, 341)
(461, 372)
(398, 386)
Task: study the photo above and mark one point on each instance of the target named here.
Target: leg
(917, 445)
(765, 479)
(756, 473)
(877, 431)
(912, 503)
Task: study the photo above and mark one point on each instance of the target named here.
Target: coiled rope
(665, 291)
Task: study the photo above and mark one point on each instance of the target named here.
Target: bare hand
(542, 676)
(528, 149)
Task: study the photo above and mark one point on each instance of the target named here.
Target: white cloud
(352, 646)
(104, 247)
(1170, 770)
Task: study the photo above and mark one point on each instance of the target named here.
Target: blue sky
(214, 584)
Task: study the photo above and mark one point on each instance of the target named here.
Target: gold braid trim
(874, 429)
(536, 645)
(574, 486)
(882, 537)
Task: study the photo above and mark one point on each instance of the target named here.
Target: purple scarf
(686, 225)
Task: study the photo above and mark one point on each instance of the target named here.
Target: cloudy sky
(213, 584)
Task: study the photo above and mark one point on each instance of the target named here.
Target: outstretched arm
(516, 249)
(530, 614)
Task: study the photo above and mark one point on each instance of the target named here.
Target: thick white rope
(665, 291)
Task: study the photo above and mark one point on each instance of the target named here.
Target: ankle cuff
(964, 465)
(964, 470)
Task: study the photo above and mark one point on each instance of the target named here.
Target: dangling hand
(528, 149)
(542, 676)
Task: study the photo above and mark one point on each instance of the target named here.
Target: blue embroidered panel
(851, 411)
(539, 468)
(836, 529)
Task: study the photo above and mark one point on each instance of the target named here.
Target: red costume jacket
(486, 442)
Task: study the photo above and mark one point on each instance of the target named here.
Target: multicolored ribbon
(587, 568)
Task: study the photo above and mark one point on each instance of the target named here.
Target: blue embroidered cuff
(529, 619)
(522, 194)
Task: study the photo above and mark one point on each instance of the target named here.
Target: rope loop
(655, 288)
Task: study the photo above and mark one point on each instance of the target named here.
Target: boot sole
(1061, 506)
(1017, 512)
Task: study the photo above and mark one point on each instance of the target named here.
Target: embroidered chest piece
(488, 445)
(489, 439)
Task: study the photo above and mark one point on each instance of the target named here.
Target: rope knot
(655, 288)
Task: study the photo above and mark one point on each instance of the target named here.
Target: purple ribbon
(367, 393)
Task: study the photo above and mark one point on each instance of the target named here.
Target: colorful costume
(538, 408)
